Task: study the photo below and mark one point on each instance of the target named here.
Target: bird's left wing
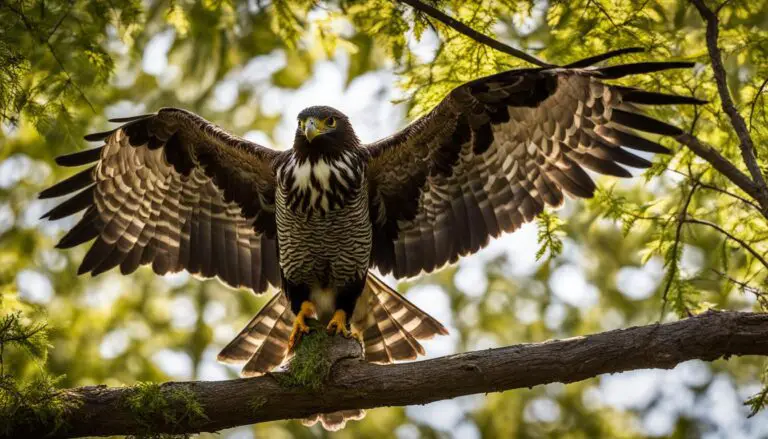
(173, 190)
(498, 149)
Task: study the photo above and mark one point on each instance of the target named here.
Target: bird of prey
(173, 190)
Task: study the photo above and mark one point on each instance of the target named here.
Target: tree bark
(354, 383)
(722, 165)
(737, 121)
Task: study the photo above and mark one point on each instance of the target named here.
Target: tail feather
(375, 349)
(400, 343)
(390, 343)
(389, 325)
(263, 344)
(392, 325)
(412, 319)
(273, 350)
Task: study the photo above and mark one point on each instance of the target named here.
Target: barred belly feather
(323, 224)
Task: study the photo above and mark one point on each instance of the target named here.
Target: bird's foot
(338, 324)
(300, 325)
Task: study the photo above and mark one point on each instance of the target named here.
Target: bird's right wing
(173, 190)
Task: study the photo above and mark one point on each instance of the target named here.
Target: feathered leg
(302, 307)
(346, 299)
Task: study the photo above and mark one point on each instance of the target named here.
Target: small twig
(616, 27)
(717, 189)
(69, 77)
(754, 101)
(60, 20)
(602, 57)
(600, 8)
(731, 194)
(723, 166)
(24, 336)
(471, 33)
(761, 295)
(743, 243)
(678, 232)
(737, 121)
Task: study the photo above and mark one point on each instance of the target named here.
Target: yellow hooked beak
(313, 127)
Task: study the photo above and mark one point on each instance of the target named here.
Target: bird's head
(324, 130)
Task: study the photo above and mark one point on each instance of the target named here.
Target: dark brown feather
(171, 190)
(630, 140)
(71, 206)
(79, 158)
(500, 149)
(85, 230)
(69, 185)
(644, 123)
(653, 98)
(620, 71)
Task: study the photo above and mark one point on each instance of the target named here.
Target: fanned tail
(263, 344)
(391, 325)
(387, 323)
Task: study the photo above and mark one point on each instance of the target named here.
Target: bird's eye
(330, 122)
(301, 124)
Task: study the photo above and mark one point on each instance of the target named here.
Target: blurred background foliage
(66, 66)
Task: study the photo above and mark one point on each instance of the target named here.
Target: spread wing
(173, 190)
(498, 149)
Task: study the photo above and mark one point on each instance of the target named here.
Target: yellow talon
(338, 324)
(299, 325)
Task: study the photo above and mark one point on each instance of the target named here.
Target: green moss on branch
(310, 364)
(153, 404)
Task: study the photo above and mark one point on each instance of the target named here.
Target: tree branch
(356, 384)
(675, 245)
(737, 121)
(755, 186)
(46, 41)
(724, 166)
(471, 33)
(754, 102)
(729, 235)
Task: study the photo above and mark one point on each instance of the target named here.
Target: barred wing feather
(172, 190)
(496, 151)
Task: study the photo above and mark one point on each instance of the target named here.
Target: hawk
(173, 190)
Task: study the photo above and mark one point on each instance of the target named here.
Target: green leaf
(550, 235)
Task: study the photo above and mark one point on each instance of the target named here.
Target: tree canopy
(684, 237)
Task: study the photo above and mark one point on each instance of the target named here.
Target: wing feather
(173, 191)
(499, 149)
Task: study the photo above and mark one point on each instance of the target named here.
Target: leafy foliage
(38, 401)
(757, 401)
(550, 235)
(32, 337)
(65, 44)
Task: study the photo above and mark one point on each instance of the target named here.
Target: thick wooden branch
(356, 384)
(737, 121)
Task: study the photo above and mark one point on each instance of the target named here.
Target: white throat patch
(305, 172)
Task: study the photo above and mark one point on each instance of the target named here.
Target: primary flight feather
(172, 190)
